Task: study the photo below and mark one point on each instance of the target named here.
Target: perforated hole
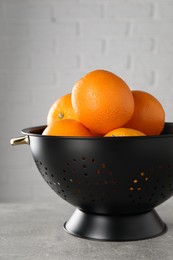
(146, 185)
(103, 165)
(98, 171)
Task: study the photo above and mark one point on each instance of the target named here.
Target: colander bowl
(115, 183)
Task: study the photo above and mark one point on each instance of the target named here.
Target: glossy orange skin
(61, 109)
(124, 132)
(148, 116)
(66, 127)
(102, 101)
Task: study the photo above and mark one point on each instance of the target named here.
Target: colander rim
(35, 131)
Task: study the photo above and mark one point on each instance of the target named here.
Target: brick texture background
(47, 45)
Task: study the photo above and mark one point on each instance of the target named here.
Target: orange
(125, 132)
(66, 127)
(148, 116)
(102, 101)
(61, 109)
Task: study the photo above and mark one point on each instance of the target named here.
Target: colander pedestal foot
(115, 227)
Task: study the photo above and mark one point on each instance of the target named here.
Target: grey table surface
(35, 231)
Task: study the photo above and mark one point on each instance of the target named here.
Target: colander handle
(20, 140)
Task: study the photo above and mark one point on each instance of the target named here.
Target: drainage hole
(103, 165)
(98, 171)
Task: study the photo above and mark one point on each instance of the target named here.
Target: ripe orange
(102, 101)
(66, 127)
(125, 132)
(61, 109)
(148, 116)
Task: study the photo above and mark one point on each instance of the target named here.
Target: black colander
(114, 182)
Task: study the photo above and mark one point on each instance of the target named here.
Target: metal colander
(114, 182)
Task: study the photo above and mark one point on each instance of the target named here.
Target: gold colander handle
(20, 140)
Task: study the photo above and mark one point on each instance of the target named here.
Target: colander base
(115, 227)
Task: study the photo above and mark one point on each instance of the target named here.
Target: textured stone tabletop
(35, 231)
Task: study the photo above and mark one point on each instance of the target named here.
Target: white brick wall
(46, 45)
